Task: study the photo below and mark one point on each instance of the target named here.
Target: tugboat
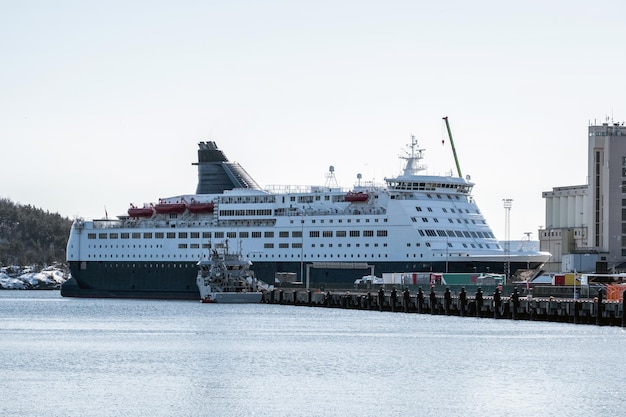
(226, 278)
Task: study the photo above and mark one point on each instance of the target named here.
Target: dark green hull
(178, 280)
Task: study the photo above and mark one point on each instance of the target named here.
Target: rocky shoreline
(33, 278)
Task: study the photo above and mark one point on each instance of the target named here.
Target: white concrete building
(586, 224)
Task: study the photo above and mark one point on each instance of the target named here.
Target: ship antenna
(456, 160)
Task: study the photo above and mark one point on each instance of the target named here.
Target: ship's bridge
(429, 183)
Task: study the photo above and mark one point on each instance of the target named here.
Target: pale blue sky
(103, 103)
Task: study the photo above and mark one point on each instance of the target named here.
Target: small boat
(198, 207)
(166, 208)
(145, 211)
(227, 278)
(356, 196)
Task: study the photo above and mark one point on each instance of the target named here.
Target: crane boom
(456, 160)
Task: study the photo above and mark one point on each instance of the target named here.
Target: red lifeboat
(168, 208)
(145, 211)
(357, 196)
(198, 207)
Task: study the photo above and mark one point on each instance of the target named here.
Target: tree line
(31, 236)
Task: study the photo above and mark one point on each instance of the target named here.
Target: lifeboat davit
(145, 211)
(357, 196)
(166, 208)
(197, 207)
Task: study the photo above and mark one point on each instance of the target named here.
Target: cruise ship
(317, 235)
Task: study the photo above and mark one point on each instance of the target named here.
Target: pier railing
(598, 310)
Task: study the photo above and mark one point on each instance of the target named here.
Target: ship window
(206, 235)
(340, 233)
(355, 233)
(195, 235)
(314, 233)
(368, 233)
(327, 233)
(136, 235)
(381, 233)
(269, 234)
(296, 234)
(219, 235)
(243, 234)
(421, 232)
(429, 209)
(283, 234)
(283, 245)
(268, 246)
(113, 236)
(193, 246)
(231, 235)
(425, 219)
(256, 234)
(102, 236)
(418, 208)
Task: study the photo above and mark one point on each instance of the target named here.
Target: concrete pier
(598, 311)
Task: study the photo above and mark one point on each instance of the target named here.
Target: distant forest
(31, 236)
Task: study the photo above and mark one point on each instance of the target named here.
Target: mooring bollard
(496, 303)
(479, 301)
(447, 297)
(599, 307)
(433, 300)
(420, 300)
(327, 299)
(406, 297)
(394, 298)
(463, 300)
(515, 298)
(624, 309)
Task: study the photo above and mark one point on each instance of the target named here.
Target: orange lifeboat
(167, 208)
(198, 207)
(356, 196)
(145, 211)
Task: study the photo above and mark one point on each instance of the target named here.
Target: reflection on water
(64, 356)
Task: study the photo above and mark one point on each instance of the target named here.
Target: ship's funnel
(216, 174)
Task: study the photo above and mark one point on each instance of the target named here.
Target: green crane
(456, 160)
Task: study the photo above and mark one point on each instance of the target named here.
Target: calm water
(92, 357)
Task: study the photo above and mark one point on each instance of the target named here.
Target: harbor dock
(598, 310)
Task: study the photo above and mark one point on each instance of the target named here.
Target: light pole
(508, 203)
